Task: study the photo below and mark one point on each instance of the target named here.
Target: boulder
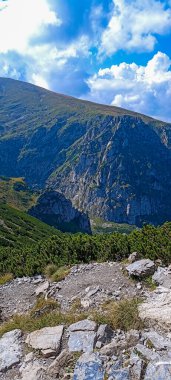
(157, 308)
(10, 349)
(162, 277)
(89, 366)
(159, 371)
(48, 338)
(141, 268)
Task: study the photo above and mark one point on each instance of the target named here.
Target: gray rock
(42, 289)
(57, 365)
(158, 341)
(46, 338)
(157, 308)
(158, 371)
(162, 277)
(120, 374)
(10, 349)
(137, 365)
(89, 366)
(104, 334)
(141, 268)
(85, 325)
(146, 353)
(133, 257)
(82, 341)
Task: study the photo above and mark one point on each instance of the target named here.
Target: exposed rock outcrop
(53, 208)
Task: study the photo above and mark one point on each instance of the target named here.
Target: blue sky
(116, 52)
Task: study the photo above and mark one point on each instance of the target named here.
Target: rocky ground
(88, 350)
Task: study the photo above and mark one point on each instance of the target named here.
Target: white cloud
(24, 50)
(145, 89)
(21, 20)
(134, 25)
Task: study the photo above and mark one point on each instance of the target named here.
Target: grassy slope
(28, 107)
(15, 193)
(18, 228)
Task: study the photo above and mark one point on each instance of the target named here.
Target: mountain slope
(114, 164)
(19, 229)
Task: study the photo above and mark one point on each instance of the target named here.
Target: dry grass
(119, 315)
(55, 274)
(6, 278)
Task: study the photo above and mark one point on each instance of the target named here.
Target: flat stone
(157, 308)
(89, 367)
(46, 338)
(147, 353)
(158, 341)
(141, 268)
(158, 371)
(85, 325)
(82, 341)
(10, 349)
(120, 374)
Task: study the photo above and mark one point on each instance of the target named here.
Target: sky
(115, 52)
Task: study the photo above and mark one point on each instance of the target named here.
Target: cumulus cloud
(20, 21)
(26, 53)
(145, 89)
(134, 26)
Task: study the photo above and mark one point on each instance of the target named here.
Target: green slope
(19, 229)
(16, 193)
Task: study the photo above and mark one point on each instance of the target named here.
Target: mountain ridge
(113, 165)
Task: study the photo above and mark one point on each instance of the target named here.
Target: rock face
(10, 349)
(157, 308)
(111, 163)
(54, 209)
(141, 268)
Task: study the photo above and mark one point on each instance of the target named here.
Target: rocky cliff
(54, 209)
(111, 163)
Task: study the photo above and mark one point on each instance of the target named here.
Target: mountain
(112, 163)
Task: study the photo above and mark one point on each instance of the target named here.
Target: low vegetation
(119, 315)
(55, 274)
(64, 250)
(18, 229)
